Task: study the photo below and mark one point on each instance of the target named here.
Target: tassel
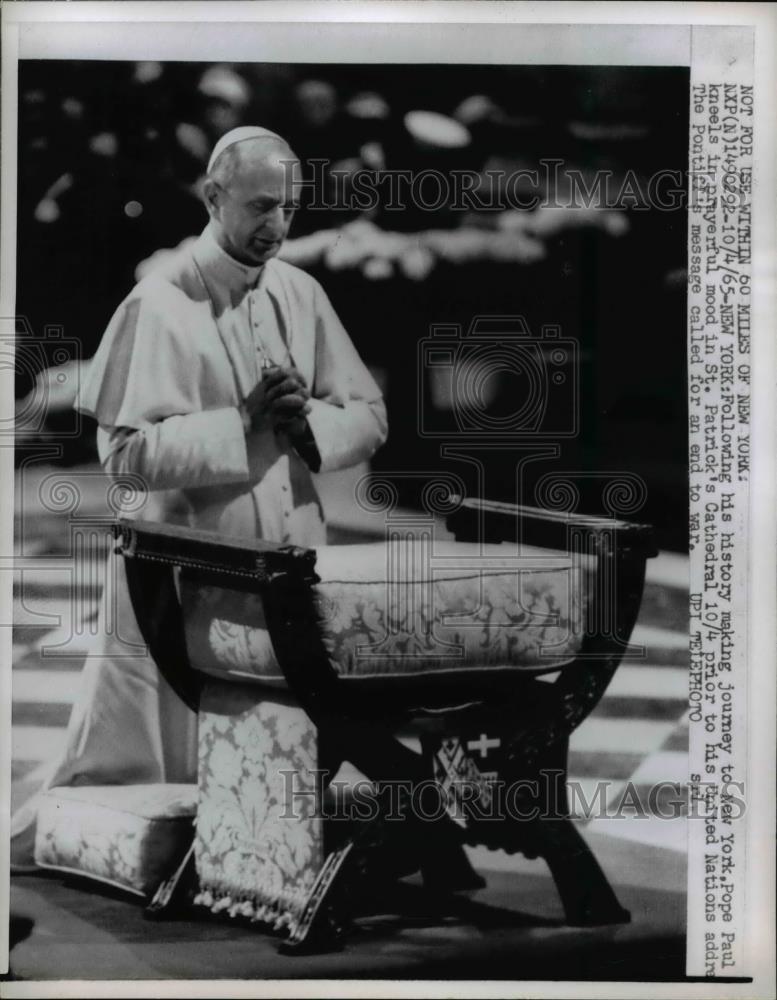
(278, 914)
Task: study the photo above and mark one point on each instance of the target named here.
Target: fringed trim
(256, 907)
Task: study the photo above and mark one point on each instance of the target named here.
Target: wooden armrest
(211, 552)
(493, 521)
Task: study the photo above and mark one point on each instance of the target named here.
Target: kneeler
(298, 660)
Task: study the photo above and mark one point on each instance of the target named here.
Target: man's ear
(210, 192)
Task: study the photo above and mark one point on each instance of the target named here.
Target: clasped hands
(279, 401)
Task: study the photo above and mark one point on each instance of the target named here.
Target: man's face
(253, 212)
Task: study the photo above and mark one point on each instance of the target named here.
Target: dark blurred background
(111, 157)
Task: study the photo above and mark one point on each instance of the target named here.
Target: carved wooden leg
(174, 895)
(586, 894)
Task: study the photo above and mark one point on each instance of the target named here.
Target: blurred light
(60, 186)
(47, 210)
(416, 263)
(438, 130)
(373, 156)
(317, 101)
(104, 144)
(346, 168)
(133, 209)
(73, 108)
(193, 140)
(676, 278)
(32, 97)
(476, 108)
(616, 223)
(368, 105)
(377, 269)
(147, 72)
(224, 84)
(548, 221)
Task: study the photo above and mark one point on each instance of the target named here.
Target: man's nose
(276, 221)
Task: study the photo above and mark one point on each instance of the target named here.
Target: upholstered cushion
(403, 608)
(126, 835)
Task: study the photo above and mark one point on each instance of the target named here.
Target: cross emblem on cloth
(483, 744)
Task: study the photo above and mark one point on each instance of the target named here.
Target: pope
(224, 381)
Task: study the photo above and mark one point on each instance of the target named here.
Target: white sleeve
(197, 449)
(348, 415)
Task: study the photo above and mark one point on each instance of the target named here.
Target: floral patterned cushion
(392, 609)
(126, 835)
(259, 844)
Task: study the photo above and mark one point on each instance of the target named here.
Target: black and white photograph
(379, 479)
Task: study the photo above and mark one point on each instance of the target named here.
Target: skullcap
(240, 135)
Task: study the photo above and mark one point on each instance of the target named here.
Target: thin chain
(265, 362)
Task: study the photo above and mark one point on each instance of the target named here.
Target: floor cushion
(127, 836)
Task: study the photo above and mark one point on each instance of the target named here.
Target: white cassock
(180, 355)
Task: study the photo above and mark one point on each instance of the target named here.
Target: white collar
(227, 272)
